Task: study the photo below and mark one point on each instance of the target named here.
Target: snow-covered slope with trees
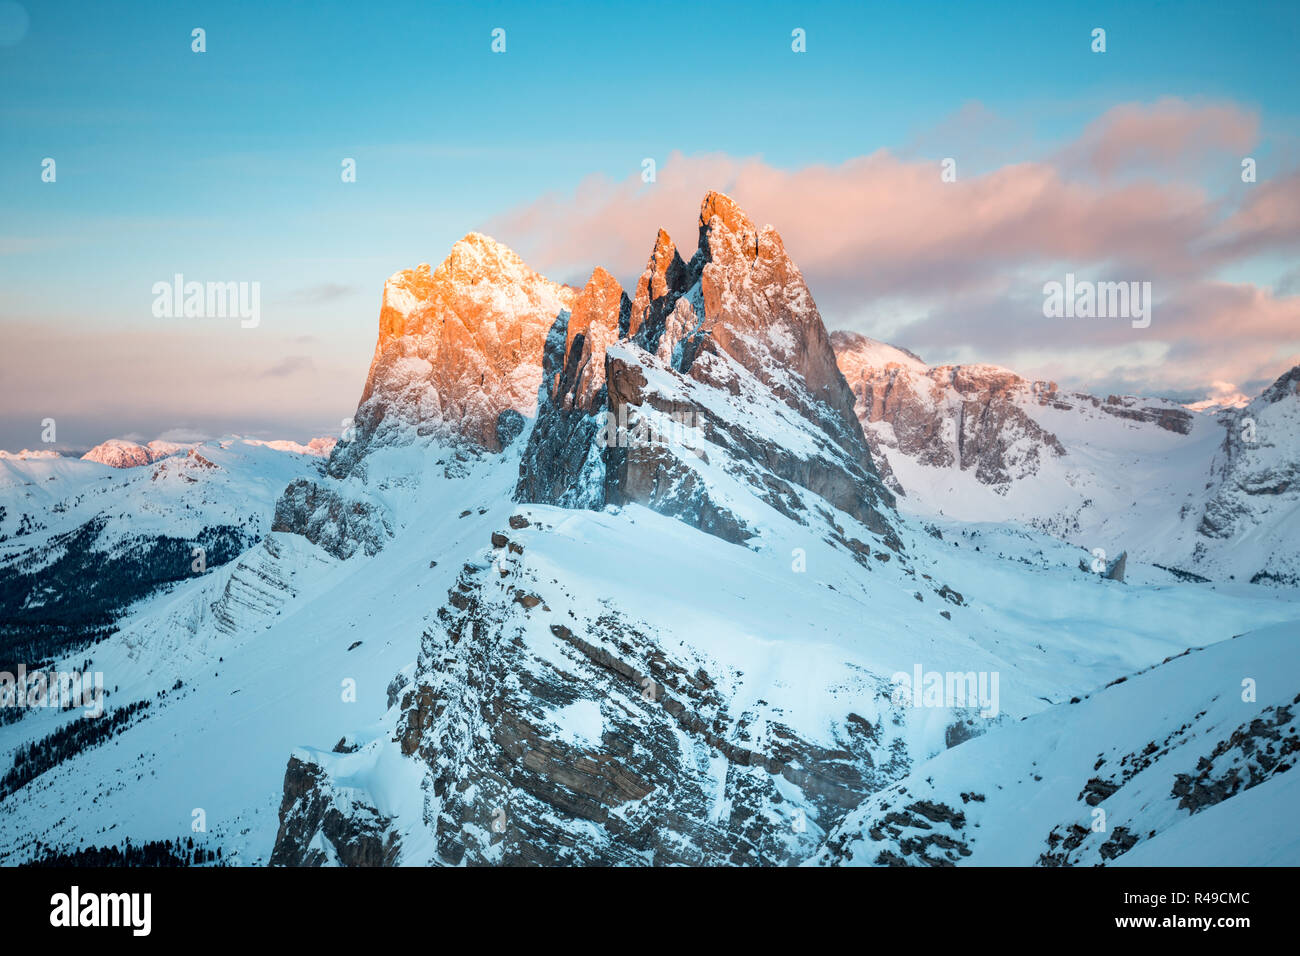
(81, 539)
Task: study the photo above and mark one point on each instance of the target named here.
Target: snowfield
(231, 701)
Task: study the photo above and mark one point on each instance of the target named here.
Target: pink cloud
(966, 260)
(1170, 134)
(1269, 219)
(888, 225)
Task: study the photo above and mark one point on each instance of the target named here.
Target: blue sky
(225, 165)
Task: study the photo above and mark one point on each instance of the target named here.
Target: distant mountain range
(1212, 494)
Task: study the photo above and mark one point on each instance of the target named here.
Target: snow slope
(80, 540)
(252, 691)
(1179, 764)
(789, 651)
(1177, 488)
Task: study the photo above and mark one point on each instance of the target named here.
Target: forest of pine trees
(67, 594)
(33, 759)
(153, 853)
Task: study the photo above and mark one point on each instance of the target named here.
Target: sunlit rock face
(458, 347)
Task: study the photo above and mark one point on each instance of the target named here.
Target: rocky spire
(665, 278)
(721, 349)
(726, 233)
(599, 314)
(758, 309)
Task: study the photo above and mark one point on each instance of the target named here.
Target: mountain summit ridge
(467, 352)
(721, 362)
(457, 347)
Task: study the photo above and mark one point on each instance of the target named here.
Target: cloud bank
(954, 270)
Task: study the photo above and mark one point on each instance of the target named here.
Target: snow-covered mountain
(124, 453)
(28, 454)
(459, 347)
(1254, 491)
(612, 577)
(1212, 495)
(81, 539)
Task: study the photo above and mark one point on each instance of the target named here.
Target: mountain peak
(726, 233)
(601, 279)
(458, 346)
(595, 311)
(664, 277)
(1288, 383)
(724, 208)
(661, 260)
(856, 353)
(477, 257)
(475, 261)
(124, 453)
(598, 317)
(730, 332)
(751, 302)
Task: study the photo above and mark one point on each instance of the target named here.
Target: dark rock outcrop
(324, 517)
(318, 826)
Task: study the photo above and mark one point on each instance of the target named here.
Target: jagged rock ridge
(713, 364)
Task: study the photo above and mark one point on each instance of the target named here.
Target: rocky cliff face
(964, 416)
(1209, 494)
(720, 367)
(582, 744)
(460, 346)
(976, 418)
(327, 826)
(1256, 479)
(323, 516)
